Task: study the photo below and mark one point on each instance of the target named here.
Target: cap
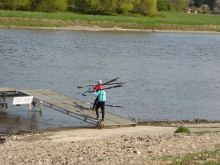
(100, 81)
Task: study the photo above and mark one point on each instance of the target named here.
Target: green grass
(200, 133)
(199, 158)
(179, 21)
(182, 130)
(204, 158)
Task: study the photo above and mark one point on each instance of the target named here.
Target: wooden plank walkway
(76, 107)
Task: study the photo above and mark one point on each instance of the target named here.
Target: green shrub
(96, 6)
(23, 4)
(124, 6)
(1, 5)
(15, 4)
(108, 6)
(8, 4)
(180, 5)
(136, 6)
(152, 10)
(164, 5)
(182, 130)
(35, 4)
(52, 5)
(81, 5)
(71, 5)
(145, 7)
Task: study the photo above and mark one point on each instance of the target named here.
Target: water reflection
(34, 119)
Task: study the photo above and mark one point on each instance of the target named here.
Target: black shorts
(100, 104)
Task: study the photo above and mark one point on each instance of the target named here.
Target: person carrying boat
(101, 95)
(97, 88)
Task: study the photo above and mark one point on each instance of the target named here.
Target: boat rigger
(65, 104)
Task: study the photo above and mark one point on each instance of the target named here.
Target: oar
(110, 105)
(115, 106)
(118, 83)
(116, 86)
(105, 83)
(84, 86)
(111, 81)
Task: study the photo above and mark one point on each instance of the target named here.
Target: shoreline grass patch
(182, 130)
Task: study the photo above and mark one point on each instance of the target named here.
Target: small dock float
(68, 105)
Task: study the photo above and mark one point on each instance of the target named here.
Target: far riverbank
(164, 22)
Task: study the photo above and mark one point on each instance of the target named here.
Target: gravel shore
(133, 145)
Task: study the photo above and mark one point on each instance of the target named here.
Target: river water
(170, 76)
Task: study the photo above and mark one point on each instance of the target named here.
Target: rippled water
(170, 76)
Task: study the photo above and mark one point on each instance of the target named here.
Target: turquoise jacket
(101, 95)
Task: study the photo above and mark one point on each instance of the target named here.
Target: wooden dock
(70, 106)
(7, 91)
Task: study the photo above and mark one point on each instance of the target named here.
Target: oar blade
(114, 106)
(116, 86)
(80, 87)
(107, 82)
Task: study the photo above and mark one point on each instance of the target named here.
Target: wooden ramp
(75, 107)
(7, 91)
(3, 89)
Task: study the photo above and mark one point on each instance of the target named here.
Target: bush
(23, 4)
(8, 4)
(108, 6)
(71, 5)
(52, 5)
(35, 4)
(164, 5)
(1, 5)
(15, 4)
(148, 7)
(124, 6)
(182, 130)
(180, 5)
(136, 6)
(81, 5)
(152, 10)
(94, 6)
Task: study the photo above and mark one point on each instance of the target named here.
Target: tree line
(85, 6)
(145, 7)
